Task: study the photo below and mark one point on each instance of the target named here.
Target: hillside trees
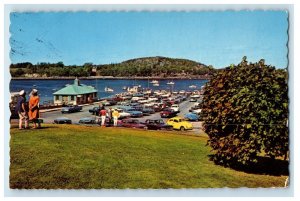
(246, 113)
(143, 67)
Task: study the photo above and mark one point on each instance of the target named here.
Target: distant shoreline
(110, 78)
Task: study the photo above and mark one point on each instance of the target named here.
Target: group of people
(111, 113)
(28, 111)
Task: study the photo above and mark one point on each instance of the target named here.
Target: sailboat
(107, 89)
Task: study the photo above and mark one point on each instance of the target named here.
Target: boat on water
(107, 89)
(170, 83)
(133, 89)
(154, 82)
(182, 92)
(125, 88)
(192, 86)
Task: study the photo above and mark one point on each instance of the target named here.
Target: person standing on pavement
(115, 116)
(108, 112)
(103, 116)
(22, 109)
(34, 112)
(100, 105)
(110, 115)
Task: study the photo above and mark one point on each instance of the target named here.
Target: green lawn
(61, 156)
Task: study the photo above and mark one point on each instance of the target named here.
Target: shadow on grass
(265, 165)
(31, 128)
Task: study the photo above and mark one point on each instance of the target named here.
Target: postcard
(149, 100)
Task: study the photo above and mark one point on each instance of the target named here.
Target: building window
(72, 98)
(56, 97)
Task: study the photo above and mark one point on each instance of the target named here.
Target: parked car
(148, 111)
(196, 111)
(168, 112)
(195, 96)
(157, 107)
(157, 124)
(134, 113)
(62, 120)
(182, 92)
(183, 97)
(87, 120)
(193, 99)
(191, 116)
(179, 123)
(122, 113)
(137, 106)
(67, 109)
(176, 108)
(71, 108)
(149, 105)
(94, 110)
(195, 107)
(133, 123)
(105, 103)
(77, 108)
(112, 101)
(118, 99)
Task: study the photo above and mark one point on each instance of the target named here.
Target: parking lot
(49, 116)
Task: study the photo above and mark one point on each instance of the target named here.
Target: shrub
(246, 113)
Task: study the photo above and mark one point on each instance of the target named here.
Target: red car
(133, 123)
(168, 113)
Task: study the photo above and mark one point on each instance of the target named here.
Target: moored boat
(154, 82)
(107, 89)
(170, 83)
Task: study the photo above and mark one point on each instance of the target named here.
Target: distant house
(75, 94)
(94, 71)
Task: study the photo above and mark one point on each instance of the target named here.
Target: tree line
(144, 67)
(50, 70)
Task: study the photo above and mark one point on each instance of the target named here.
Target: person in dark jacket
(22, 110)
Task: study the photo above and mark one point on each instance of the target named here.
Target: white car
(143, 101)
(197, 111)
(122, 113)
(152, 99)
(195, 96)
(175, 107)
(149, 104)
(196, 104)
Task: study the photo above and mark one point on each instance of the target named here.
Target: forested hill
(141, 67)
(155, 66)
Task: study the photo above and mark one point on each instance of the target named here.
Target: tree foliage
(155, 66)
(144, 67)
(246, 113)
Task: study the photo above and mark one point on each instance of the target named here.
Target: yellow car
(180, 124)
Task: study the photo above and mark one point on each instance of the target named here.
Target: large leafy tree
(245, 109)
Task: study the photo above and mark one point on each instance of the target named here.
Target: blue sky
(212, 38)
